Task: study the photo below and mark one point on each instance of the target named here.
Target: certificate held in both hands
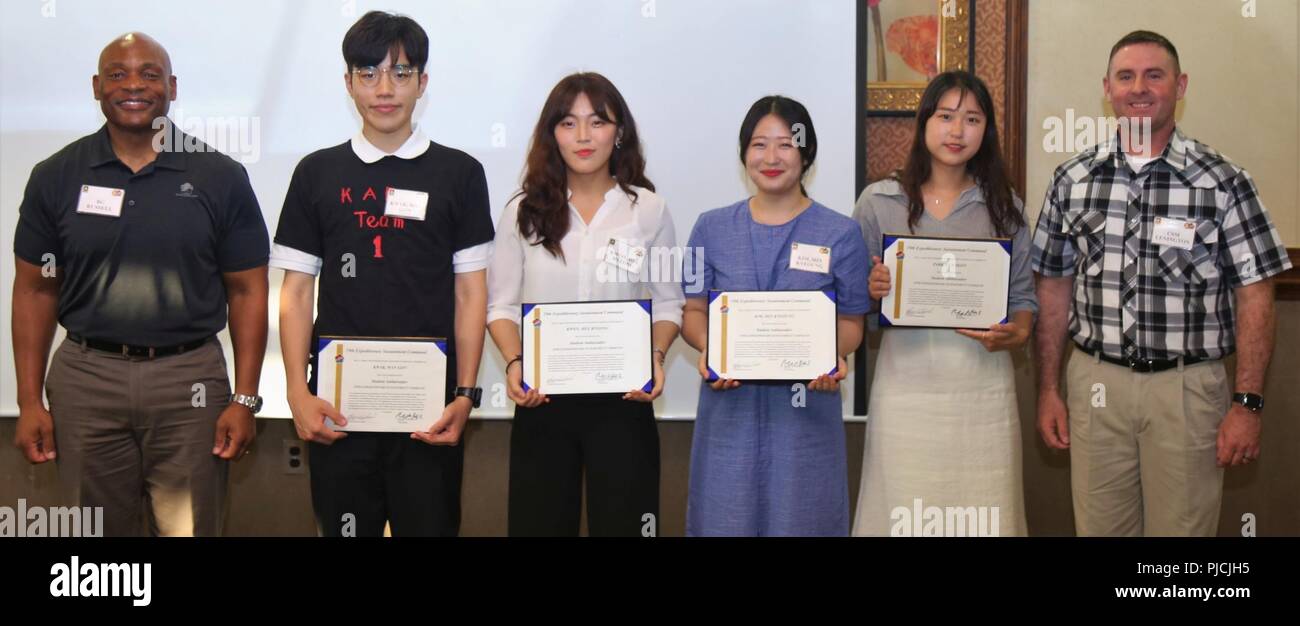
(587, 347)
(772, 335)
(395, 385)
(946, 282)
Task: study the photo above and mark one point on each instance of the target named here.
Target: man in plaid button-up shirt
(1157, 257)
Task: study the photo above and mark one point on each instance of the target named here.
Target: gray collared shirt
(882, 209)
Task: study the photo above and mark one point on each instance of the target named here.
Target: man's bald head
(134, 85)
(138, 43)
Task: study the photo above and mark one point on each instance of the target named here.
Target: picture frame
(908, 43)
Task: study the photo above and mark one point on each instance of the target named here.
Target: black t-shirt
(152, 275)
(384, 276)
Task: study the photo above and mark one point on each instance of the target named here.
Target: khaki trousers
(1142, 448)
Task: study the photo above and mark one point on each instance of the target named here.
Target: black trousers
(616, 443)
(366, 479)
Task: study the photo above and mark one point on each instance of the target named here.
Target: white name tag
(810, 258)
(1176, 233)
(100, 201)
(624, 255)
(406, 203)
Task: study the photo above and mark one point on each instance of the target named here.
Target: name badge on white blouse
(406, 203)
(1176, 233)
(810, 258)
(104, 201)
(625, 255)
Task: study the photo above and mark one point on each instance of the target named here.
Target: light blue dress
(761, 466)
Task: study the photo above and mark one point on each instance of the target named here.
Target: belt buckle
(1139, 365)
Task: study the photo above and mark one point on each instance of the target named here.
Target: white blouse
(522, 272)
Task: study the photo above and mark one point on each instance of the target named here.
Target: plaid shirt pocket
(1193, 266)
(1089, 231)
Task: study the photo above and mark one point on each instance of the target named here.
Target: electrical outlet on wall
(293, 460)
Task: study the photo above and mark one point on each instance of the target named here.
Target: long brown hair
(986, 167)
(543, 194)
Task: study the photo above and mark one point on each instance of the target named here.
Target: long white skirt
(942, 454)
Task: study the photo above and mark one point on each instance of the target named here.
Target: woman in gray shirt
(943, 432)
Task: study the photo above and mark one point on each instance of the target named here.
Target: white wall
(689, 70)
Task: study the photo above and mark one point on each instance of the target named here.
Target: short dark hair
(1145, 36)
(378, 34)
(791, 112)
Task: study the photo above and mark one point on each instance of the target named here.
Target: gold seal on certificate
(383, 385)
(587, 347)
(772, 335)
(946, 283)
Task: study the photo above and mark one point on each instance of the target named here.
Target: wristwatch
(473, 393)
(1252, 401)
(254, 403)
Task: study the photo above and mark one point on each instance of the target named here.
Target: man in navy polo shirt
(385, 276)
(138, 251)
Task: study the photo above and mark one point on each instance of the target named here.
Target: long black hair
(986, 167)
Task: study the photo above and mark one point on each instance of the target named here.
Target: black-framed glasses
(369, 75)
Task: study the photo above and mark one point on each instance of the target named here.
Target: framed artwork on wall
(908, 43)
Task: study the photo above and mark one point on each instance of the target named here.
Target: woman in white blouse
(584, 185)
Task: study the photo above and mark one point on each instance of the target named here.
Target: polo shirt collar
(414, 146)
(173, 160)
(101, 151)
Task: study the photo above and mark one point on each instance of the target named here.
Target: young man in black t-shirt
(385, 275)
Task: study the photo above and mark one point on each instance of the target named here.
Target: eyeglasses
(369, 75)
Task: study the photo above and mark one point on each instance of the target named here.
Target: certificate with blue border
(938, 282)
(383, 384)
(587, 347)
(772, 335)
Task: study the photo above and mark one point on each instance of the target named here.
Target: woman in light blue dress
(769, 459)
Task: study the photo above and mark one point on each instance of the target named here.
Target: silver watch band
(252, 402)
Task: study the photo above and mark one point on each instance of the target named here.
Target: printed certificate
(772, 335)
(946, 283)
(587, 347)
(383, 384)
